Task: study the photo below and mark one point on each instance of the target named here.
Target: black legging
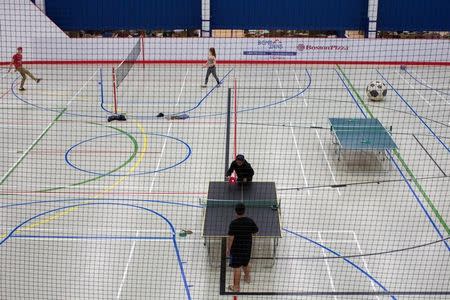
(211, 70)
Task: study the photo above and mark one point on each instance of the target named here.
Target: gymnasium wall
(289, 14)
(120, 14)
(44, 42)
(414, 15)
(398, 15)
(194, 50)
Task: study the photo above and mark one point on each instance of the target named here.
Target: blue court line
(350, 93)
(436, 228)
(182, 112)
(170, 225)
(401, 174)
(45, 108)
(72, 165)
(149, 102)
(373, 279)
(266, 105)
(424, 84)
(96, 199)
(207, 94)
(102, 98)
(76, 237)
(415, 113)
(180, 264)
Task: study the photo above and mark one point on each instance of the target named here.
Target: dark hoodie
(244, 171)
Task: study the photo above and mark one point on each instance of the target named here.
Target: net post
(114, 89)
(235, 117)
(227, 141)
(142, 50)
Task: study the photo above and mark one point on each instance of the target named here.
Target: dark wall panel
(414, 15)
(289, 14)
(124, 14)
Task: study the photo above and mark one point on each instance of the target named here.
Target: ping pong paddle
(232, 180)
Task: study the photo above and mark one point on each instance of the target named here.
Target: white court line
(100, 230)
(50, 125)
(326, 231)
(299, 158)
(167, 133)
(130, 256)
(433, 89)
(302, 94)
(364, 262)
(279, 83)
(328, 265)
(414, 89)
(326, 158)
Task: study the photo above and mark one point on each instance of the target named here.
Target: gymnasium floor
(92, 210)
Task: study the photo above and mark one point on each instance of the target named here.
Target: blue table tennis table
(360, 134)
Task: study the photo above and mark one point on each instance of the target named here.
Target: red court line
(235, 118)
(5, 93)
(252, 62)
(79, 152)
(115, 193)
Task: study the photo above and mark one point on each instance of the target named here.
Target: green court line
(402, 161)
(130, 159)
(9, 172)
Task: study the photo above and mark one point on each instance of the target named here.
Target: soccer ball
(376, 90)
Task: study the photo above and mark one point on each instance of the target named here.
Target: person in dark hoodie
(242, 168)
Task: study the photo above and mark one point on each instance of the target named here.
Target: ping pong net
(269, 203)
(360, 128)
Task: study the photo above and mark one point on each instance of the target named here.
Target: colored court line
(301, 92)
(24, 155)
(207, 95)
(106, 199)
(415, 112)
(133, 155)
(425, 84)
(88, 237)
(99, 194)
(404, 164)
(9, 235)
(157, 170)
(337, 254)
(26, 101)
(135, 165)
(197, 103)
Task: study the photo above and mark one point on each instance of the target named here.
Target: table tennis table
(360, 134)
(260, 199)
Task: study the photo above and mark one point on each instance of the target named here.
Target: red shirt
(17, 60)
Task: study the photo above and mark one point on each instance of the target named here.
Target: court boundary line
(125, 272)
(429, 155)
(238, 62)
(423, 83)
(71, 207)
(300, 159)
(333, 287)
(400, 158)
(413, 88)
(354, 265)
(414, 112)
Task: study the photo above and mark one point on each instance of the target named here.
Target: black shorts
(237, 261)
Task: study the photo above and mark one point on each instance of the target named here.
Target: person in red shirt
(18, 65)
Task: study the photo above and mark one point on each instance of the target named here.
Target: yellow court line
(98, 195)
(135, 165)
